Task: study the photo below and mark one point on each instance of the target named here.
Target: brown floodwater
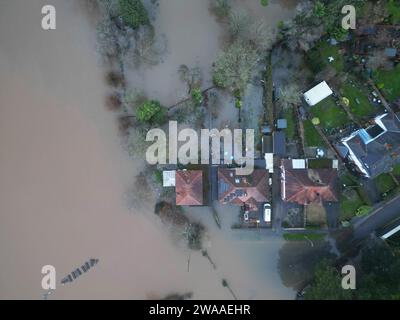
(64, 175)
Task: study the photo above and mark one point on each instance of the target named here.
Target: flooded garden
(71, 188)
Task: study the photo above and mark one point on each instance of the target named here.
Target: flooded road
(63, 176)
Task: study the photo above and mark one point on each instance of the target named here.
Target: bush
(220, 8)
(197, 96)
(151, 112)
(133, 13)
(158, 176)
(363, 211)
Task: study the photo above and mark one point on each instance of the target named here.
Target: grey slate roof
(379, 155)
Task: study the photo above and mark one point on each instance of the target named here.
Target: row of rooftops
(232, 188)
(304, 181)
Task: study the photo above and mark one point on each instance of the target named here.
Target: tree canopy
(234, 66)
(378, 276)
(133, 13)
(151, 112)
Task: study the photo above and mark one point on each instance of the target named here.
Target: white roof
(169, 178)
(391, 232)
(318, 93)
(269, 162)
(299, 164)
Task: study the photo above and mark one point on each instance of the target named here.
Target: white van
(267, 212)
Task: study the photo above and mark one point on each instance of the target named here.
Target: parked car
(267, 213)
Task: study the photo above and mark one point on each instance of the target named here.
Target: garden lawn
(393, 7)
(389, 83)
(311, 135)
(396, 170)
(349, 207)
(318, 58)
(330, 115)
(384, 183)
(354, 92)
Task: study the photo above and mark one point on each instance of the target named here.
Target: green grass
(348, 180)
(393, 7)
(317, 58)
(389, 82)
(349, 207)
(158, 176)
(290, 130)
(384, 183)
(354, 92)
(363, 211)
(311, 135)
(303, 236)
(396, 170)
(330, 115)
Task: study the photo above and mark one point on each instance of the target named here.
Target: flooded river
(63, 172)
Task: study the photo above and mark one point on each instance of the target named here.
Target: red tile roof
(189, 187)
(306, 186)
(237, 190)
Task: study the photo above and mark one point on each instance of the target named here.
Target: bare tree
(290, 96)
(147, 48)
(191, 76)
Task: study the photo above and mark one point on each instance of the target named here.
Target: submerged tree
(133, 13)
(234, 67)
(147, 46)
(244, 28)
(220, 8)
(151, 112)
(191, 76)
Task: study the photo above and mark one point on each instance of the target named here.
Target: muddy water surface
(63, 174)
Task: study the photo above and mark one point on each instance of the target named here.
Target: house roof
(169, 178)
(305, 186)
(189, 187)
(281, 123)
(237, 190)
(318, 93)
(376, 150)
(391, 52)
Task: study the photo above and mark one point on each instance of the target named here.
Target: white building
(318, 93)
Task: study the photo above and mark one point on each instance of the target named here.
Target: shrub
(197, 96)
(133, 13)
(220, 8)
(151, 112)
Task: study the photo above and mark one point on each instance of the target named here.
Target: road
(380, 217)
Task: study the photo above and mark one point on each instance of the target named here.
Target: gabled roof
(305, 186)
(189, 187)
(376, 151)
(237, 190)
